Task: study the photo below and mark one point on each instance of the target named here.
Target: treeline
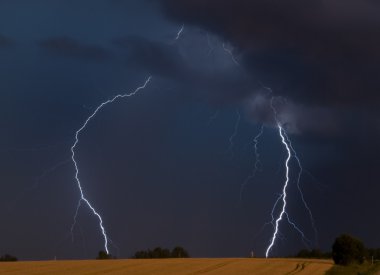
(162, 253)
(8, 258)
(313, 254)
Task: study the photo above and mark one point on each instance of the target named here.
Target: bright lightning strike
(300, 190)
(290, 153)
(284, 194)
(82, 196)
(274, 209)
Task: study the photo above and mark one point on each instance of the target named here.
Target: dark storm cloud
(69, 47)
(296, 118)
(230, 85)
(325, 52)
(172, 62)
(157, 58)
(5, 41)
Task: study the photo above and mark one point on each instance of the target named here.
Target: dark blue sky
(157, 166)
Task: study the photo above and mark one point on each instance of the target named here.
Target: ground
(171, 267)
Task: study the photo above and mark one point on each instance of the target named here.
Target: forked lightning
(77, 134)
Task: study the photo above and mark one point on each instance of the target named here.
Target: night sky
(165, 167)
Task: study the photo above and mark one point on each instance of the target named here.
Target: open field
(171, 267)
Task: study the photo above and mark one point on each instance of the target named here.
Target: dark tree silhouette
(8, 258)
(313, 254)
(374, 253)
(179, 252)
(102, 255)
(162, 253)
(347, 250)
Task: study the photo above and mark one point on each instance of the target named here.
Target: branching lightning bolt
(290, 153)
(38, 181)
(274, 209)
(75, 219)
(272, 222)
(284, 194)
(305, 240)
(82, 196)
(300, 190)
(256, 164)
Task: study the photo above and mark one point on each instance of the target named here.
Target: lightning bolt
(234, 134)
(276, 222)
(37, 182)
(284, 194)
(274, 209)
(312, 221)
(180, 32)
(272, 215)
(305, 240)
(77, 134)
(256, 164)
(75, 219)
(229, 51)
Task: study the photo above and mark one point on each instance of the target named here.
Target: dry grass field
(170, 267)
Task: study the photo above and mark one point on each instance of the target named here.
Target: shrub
(347, 250)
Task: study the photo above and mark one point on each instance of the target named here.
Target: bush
(347, 250)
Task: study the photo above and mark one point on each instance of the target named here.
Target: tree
(179, 252)
(102, 255)
(157, 253)
(347, 250)
(165, 253)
